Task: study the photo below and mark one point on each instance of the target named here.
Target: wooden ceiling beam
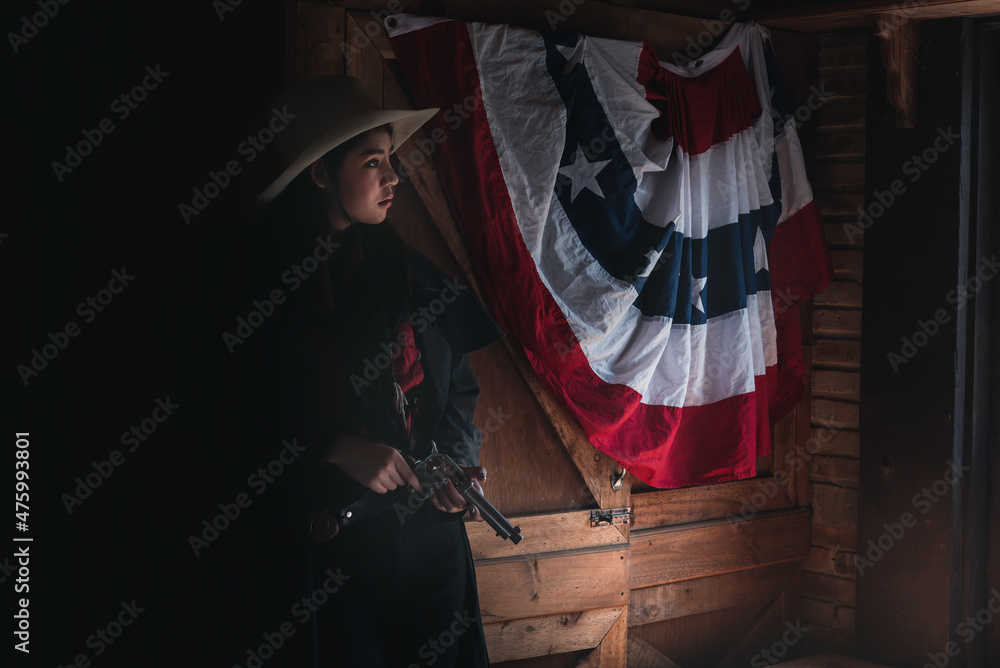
(838, 15)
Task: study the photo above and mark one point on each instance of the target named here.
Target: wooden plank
(696, 504)
(714, 592)
(784, 441)
(900, 42)
(838, 354)
(839, 443)
(671, 554)
(837, 414)
(853, 54)
(613, 651)
(372, 33)
(514, 639)
(839, 294)
(840, 142)
(835, 506)
(845, 323)
(791, 598)
(643, 655)
(365, 62)
(836, 228)
(831, 660)
(664, 32)
(836, 538)
(542, 533)
(848, 265)
(831, 562)
(319, 40)
(840, 174)
(595, 467)
(791, 462)
(847, 115)
(837, 384)
(841, 471)
(828, 614)
(841, 591)
(557, 582)
(840, 15)
(757, 637)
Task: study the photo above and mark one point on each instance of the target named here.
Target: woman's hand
(449, 500)
(377, 466)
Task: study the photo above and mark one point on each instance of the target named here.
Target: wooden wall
(689, 582)
(828, 583)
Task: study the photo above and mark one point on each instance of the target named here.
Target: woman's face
(366, 179)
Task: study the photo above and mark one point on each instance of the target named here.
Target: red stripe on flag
(699, 112)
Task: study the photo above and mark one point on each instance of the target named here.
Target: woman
(368, 368)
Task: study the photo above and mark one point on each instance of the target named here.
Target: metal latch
(610, 516)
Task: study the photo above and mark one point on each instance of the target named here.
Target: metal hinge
(610, 516)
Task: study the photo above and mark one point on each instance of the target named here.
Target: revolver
(437, 470)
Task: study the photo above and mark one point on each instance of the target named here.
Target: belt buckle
(322, 526)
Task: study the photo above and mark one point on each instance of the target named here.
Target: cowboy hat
(327, 111)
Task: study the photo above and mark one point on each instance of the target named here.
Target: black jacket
(329, 375)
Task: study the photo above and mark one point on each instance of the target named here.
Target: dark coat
(403, 581)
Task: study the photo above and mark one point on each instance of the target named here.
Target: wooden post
(900, 41)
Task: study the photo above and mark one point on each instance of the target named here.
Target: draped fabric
(644, 230)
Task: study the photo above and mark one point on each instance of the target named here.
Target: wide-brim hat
(323, 113)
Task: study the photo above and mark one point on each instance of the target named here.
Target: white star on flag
(759, 252)
(697, 287)
(583, 174)
(572, 54)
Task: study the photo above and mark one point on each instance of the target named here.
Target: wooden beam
(696, 504)
(715, 592)
(613, 650)
(838, 15)
(319, 43)
(559, 582)
(364, 62)
(643, 655)
(672, 554)
(900, 42)
(758, 637)
(552, 532)
(510, 640)
(667, 33)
